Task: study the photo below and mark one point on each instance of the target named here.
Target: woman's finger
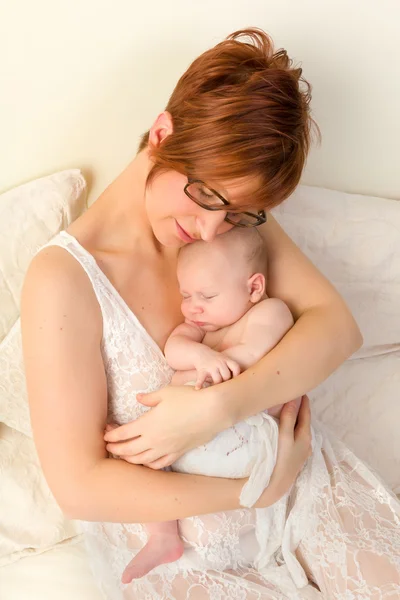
(110, 427)
(161, 463)
(130, 447)
(144, 458)
(303, 428)
(123, 433)
(304, 416)
(287, 421)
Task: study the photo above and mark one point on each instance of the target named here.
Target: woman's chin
(168, 240)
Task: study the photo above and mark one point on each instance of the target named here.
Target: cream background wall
(82, 79)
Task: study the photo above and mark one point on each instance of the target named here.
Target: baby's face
(215, 294)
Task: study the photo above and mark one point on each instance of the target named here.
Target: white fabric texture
(61, 573)
(249, 449)
(257, 436)
(343, 520)
(30, 215)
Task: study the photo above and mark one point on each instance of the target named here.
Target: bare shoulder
(55, 267)
(56, 283)
(60, 315)
(270, 311)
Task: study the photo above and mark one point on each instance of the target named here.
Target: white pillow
(62, 573)
(360, 403)
(30, 215)
(31, 522)
(355, 241)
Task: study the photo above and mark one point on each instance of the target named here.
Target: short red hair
(240, 110)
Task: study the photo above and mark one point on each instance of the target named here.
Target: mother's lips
(185, 237)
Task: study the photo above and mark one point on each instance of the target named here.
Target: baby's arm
(267, 323)
(185, 352)
(183, 346)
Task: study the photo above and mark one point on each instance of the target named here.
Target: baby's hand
(214, 366)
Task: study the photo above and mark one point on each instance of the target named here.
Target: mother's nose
(211, 224)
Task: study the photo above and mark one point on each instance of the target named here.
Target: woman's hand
(182, 418)
(294, 448)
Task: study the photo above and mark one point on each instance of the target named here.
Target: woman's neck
(117, 221)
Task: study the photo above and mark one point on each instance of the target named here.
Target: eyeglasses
(210, 199)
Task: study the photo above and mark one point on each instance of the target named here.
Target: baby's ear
(256, 286)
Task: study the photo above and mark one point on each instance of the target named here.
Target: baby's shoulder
(270, 310)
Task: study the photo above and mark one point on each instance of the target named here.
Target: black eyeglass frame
(260, 217)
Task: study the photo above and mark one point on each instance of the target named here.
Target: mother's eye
(206, 193)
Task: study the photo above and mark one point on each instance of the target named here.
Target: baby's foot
(160, 549)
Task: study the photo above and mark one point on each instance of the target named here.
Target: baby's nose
(196, 309)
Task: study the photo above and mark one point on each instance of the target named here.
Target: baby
(230, 324)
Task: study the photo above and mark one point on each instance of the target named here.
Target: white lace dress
(335, 536)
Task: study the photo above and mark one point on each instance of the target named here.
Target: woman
(100, 301)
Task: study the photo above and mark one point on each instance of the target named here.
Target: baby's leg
(163, 546)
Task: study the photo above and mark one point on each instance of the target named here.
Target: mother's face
(175, 219)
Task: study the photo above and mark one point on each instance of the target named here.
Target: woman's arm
(149, 495)
(62, 330)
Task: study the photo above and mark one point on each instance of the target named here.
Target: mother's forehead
(235, 190)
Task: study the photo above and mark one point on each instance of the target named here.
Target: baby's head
(221, 280)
